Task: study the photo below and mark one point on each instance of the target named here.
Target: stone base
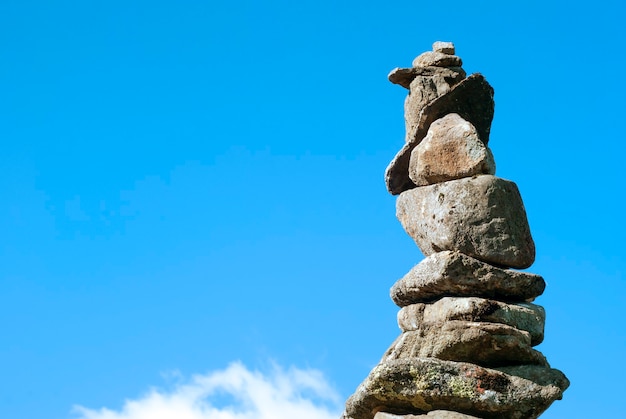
(435, 414)
(421, 385)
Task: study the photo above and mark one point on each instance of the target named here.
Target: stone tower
(468, 322)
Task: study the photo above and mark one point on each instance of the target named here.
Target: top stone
(444, 47)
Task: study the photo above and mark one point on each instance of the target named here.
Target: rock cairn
(468, 324)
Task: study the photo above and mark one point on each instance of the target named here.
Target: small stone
(444, 47)
(437, 59)
(472, 99)
(485, 344)
(420, 385)
(482, 217)
(455, 274)
(451, 150)
(523, 316)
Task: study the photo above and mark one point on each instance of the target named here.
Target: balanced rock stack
(468, 324)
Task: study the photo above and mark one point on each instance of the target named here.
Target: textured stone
(417, 386)
(437, 59)
(455, 274)
(422, 91)
(524, 316)
(485, 344)
(404, 76)
(451, 150)
(435, 414)
(472, 99)
(444, 47)
(482, 217)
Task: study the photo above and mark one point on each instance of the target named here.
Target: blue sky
(195, 189)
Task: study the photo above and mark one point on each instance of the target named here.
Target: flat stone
(485, 344)
(404, 76)
(451, 150)
(455, 274)
(522, 316)
(420, 385)
(482, 217)
(435, 414)
(444, 47)
(472, 99)
(437, 59)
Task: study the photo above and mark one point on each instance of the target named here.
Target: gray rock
(523, 316)
(418, 386)
(541, 375)
(437, 59)
(435, 414)
(485, 344)
(444, 47)
(451, 150)
(455, 274)
(482, 217)
(472, 99)
(404, 76)
(422, 91)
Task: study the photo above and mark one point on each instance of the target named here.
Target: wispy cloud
(233, 393)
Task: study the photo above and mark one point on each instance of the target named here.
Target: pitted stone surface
(455, 274)
(451, 150)
(482, 217)
(485, 344)
(523, 316)
(417, 386)
(472, 99)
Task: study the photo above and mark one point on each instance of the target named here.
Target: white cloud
(233, 393)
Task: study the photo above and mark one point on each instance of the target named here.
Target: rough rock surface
(444, 47)
(435, 414)
(485, 344)
(523, 316)
(423, 90)
(451, 150)
(472, 99)
(404, 76)
(455, 274)
(437, 59)
(416, 386)
(482, 217)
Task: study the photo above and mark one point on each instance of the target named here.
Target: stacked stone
(468, 324)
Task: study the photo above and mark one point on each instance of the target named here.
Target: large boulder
(482, 217)
(455, 274)
(523, 316)
(485, 344)
(451, 150)
(421, 385)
